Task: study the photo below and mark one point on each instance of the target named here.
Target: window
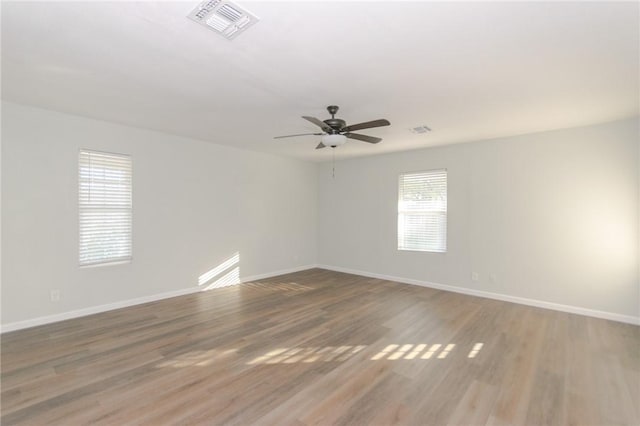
(105, 207)
(422, 211)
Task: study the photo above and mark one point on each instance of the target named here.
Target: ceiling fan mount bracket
(333, 109)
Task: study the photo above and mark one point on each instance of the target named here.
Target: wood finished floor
(320, 347)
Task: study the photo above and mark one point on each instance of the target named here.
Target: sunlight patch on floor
(308, 354)
(272, 286)
(197, 358)
(421, 351)
(476, 348)
(224, 274)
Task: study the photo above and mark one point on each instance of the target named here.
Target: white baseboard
(489, 295)
(276, 273)
(19, 325)
(497, 296)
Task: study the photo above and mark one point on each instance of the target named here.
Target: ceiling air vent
(224, 17)
(420, 130)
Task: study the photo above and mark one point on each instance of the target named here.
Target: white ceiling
(470, 71)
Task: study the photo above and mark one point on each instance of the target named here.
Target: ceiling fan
(335, 131)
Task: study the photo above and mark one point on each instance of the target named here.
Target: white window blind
(105, 207)
(422, 211)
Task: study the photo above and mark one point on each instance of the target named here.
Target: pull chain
(333, 162)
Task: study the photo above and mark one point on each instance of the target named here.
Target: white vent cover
(420, 130)
(224, 17)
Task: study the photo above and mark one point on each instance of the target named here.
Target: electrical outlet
(493, 277)
(475, 276)
(55, 295)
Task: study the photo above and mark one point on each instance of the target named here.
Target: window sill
(97, 265)
(423, 251)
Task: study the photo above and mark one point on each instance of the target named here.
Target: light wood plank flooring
(320, 347)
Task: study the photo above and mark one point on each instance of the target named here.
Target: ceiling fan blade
(318, 123)
(363, 138)
(300, 134)
(367, 125)
(320, 145)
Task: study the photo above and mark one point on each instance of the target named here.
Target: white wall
(553, 215)
(195, 204)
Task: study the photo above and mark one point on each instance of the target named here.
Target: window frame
(107, 261)
(425, 213)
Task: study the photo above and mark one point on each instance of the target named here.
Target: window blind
(422, 211)
(105, 207)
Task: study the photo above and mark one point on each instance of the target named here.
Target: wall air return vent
(224, 17)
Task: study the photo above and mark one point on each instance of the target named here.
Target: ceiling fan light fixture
(333, 140)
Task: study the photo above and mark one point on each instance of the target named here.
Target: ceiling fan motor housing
(336, 124)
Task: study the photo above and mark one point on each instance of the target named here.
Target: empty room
(320, 213)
